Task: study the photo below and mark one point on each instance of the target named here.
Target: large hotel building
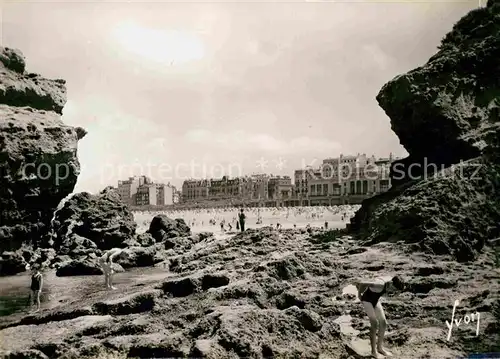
(341, 180)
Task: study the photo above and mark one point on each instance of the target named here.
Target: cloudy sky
(177, 90)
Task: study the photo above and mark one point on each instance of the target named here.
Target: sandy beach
(299, 216)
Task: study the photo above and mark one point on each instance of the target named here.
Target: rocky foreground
(266, 294)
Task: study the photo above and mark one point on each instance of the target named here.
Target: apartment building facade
(247, 188)
(193, 189)
(258, 187)
(280, 188)
(127, 189)
(346, 179)
(341, 180)
(141, 191)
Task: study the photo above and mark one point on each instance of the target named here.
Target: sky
(177, 90)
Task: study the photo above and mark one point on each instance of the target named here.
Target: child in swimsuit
(36, 287)
(369, 292)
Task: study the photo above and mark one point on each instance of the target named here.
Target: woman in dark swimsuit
(36, 287)
(369, 293)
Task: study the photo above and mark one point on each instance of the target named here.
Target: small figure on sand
(36, 287)
(241, 218)
(230, 227)
(326, 225)
(369, 292)
(222, 226)
(106, 263)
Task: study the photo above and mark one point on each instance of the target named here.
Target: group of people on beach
(227, 219)
(240, 223)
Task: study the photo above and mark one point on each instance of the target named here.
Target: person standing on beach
(242, 217)
(36, 287)
(106, 263)
(369, 292)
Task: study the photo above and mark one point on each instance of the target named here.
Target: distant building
(303, 178)
(259, 187)
(165, 195)
(245, 188)
(218, 188)
(177, 196)
(195, 190)
(147, 195)
(345, 179)
(155, 194)
(280, 188)
(128, 189)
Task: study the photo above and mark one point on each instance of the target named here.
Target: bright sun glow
(171, 47)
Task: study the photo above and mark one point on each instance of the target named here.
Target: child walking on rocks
(369, 292)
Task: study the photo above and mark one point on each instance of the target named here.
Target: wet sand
(61, 291)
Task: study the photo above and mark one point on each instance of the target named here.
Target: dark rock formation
(142, 256)
(38, 161)
(446, 195)
(163, 228)
(448, 110)
(12, 263)
(103, 220)
(83, 266)
(137, 303)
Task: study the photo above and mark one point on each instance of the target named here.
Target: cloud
(374, 56)
(244, 141)
(167, 47)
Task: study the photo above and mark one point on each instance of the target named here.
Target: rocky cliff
(446, 113)
(38, 152)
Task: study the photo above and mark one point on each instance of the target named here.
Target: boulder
(142, 256)
(38, 153)
(20, 89)
(12, 263)
(13, 60)
(26, 354)
(83, 266)
(445, 196)
(102, 219)
(131, 304)
(145, 239)
(162, 228)
(73, 244)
